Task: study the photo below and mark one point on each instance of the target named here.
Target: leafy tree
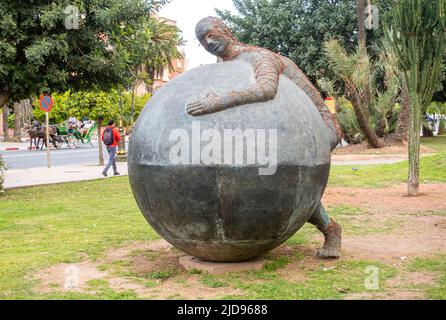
(298, 29)
(153, 47)
(132, 107)
(418, 32)
(38, 53)
(98, 105)
(64, 109)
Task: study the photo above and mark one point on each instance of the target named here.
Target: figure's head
(214, 35)
(111, 123)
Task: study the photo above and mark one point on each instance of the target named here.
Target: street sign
(46, 103)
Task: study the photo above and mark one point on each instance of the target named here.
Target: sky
(187, 13)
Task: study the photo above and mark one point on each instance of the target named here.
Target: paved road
(34, 159)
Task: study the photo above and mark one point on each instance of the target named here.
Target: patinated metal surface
(217, 38)
(229, 212)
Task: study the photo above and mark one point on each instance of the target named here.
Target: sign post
(46, 104)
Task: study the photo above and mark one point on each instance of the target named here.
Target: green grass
(212, 281)
(162, 275)
(344, 210)
(436, 265)
(277, 263)
(68, 223)
(437, 143)
(432, 169)
(47, 225)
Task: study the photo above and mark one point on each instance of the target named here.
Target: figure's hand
(210, 103)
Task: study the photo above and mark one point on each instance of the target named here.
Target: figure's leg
(332, 233)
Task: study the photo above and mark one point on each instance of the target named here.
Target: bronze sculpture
(218, 40)
(226, 211)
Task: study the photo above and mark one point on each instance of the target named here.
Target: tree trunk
(100, 147)
(380, 129)
(5, 124)
(362, 43)
(414, 147)
(132, 110)
(360, 11)
(363, 122)
(17, 121)
(4, 97)
(402, 127)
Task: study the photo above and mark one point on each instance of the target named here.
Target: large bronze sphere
(228, 212)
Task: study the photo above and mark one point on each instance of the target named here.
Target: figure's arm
(301, 80)
(267, 73)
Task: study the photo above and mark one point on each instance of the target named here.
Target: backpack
(109, 137)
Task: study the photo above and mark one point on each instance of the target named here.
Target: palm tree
(360, 11)
(163, 47)
(418, 33)
(357, 72)
(157, 48)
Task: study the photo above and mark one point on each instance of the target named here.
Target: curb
(52, 183)
(14, 149)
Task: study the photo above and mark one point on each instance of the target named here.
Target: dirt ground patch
(395, 292)
(389, 200)
(419, 233)
(154, 261)
(68, 277)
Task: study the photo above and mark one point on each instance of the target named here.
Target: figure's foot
(104, 174)
(332, 246)
(117, 174)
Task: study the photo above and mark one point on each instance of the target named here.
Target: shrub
(349, 125)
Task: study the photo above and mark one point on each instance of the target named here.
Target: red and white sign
(46, 103)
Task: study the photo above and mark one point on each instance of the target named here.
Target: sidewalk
(369, 159)
(16, 178)
(366, 159)
(13, 146)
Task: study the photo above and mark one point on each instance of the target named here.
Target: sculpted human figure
(217, 39)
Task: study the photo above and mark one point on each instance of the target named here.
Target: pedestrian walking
(111, 139)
